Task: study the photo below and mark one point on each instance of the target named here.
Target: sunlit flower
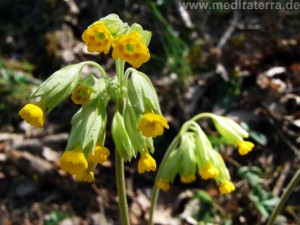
(163, 184)
(73, 162)
(81, 95)
(152, 125)
(131, 48)
(97, 38)
(33, 114)
(208, 172)
(188, 179)
(226, 187)
(244, 147)
(100, 155)
(85, 176)
(146, 163)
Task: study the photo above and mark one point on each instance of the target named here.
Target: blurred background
(241, 63)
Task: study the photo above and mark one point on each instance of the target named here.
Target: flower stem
(120, 176)
(101, 70)
(286, 194)
(155, 189)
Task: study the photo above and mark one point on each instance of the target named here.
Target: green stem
(101, 70)
(155, 189)
(286, 194)
(121, 188)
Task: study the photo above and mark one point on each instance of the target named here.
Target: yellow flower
(100, 155)
(146, 163)
(226, 187)
(97, 38)
(152, 125)
(131, 48)
(188, 179)
(73, 162)
(245, 147)
(33, 114)
(85, 176)
(81, 95)
(208, 171)
(163, 184)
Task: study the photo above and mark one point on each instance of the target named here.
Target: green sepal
(131, 123)
(187, 150)
(114, 24)
(58, 86)
(121, 138)
(171, 168)
(145, 34)
(97, 86)
(142, 94)
(87, 124)
(203, 147)
(113, 89)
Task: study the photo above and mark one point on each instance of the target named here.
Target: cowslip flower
(97, 38)
(146, 163)
(208, 172)
(131, 48)
(73, 162)
(188, 178)
(226, 187)
(33, 115)
(152, 125)
(163, 184)
(100, 155)
(81, 95)
(244, 147)
(85, 176)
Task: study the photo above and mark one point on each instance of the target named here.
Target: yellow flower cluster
(129, 47)
(33, 114)
(75, 162)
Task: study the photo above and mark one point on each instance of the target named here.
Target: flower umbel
(226, 187)
(244, 147)
(131, 48)
(152, 125)
(85, 176)
(100, 155)
(97, 38)
(163, 184)
(81, 95)
(208, 172)
(146, 163)
(73, 162)
(33, 114)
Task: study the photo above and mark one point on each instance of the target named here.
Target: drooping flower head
(131, 48)
(163, 184)
(81, 95)
(100, 155)
(146, 162)
(152, 125)
(97, 38)
(73, 162)
(188, 178)
(244, 147)
(226, 187)
(208, 172)
(85, 176)
(33, 114)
